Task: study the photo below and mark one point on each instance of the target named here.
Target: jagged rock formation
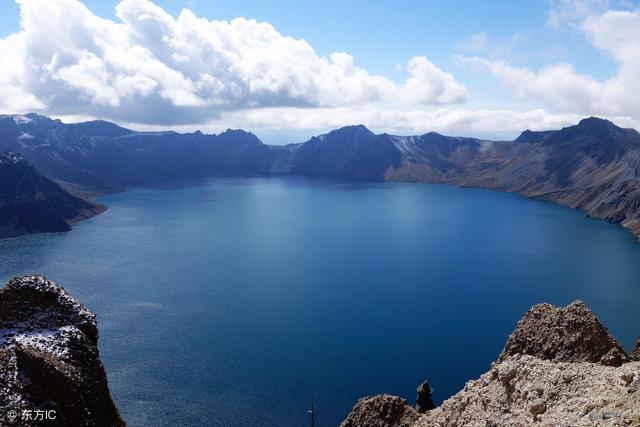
(381, 411)
(635, 353)
(49, 359)
(569, 334)
(593, 166)
(31, 203)
(524, 390)
(560, 367)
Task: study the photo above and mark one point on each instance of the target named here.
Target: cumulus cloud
(558, 86)
(151, 67)
(561, 88)
(13, 94)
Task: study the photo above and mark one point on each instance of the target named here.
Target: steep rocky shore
(50, 369)
(560, 367)
(31, 203)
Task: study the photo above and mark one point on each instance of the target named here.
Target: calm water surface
(235, 301)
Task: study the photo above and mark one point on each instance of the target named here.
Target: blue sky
(495, 52)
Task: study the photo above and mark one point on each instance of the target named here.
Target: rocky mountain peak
(593, 122)
(532, 137)
(35, 119)
(349, 133)
(99, 128)
(567, 334)
(384, 410)
(591, 128)
(239, 136)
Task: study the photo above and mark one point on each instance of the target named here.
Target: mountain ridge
(593, 165)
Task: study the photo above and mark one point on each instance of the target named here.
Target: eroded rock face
(560, 367)
(569, 334)
(635, 354)
(524, 390)
(49, 357)
(381, 411)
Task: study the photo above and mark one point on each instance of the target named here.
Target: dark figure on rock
(424, 401)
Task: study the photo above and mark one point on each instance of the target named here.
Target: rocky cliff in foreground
(50, 369)
(559, 367)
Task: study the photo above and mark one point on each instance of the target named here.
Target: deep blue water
(235, 301)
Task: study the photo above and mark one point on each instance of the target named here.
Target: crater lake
(238, 301)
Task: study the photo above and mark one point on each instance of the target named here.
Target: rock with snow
(49, 359)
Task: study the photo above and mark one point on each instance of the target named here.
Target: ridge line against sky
(178, 65)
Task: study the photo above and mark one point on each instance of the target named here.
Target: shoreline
(90, 194)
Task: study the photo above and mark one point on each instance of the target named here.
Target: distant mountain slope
(592, 166)
(31, 203)
(105, 157)
(352, 152)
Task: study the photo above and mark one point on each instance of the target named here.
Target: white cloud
(153, 68)
(558, 86)
(456, 121)
(12, 85)
(617, 32)
(429, 82)
(563, 89)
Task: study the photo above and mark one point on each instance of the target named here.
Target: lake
(238, 300)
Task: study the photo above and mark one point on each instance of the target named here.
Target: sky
(287, 70)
